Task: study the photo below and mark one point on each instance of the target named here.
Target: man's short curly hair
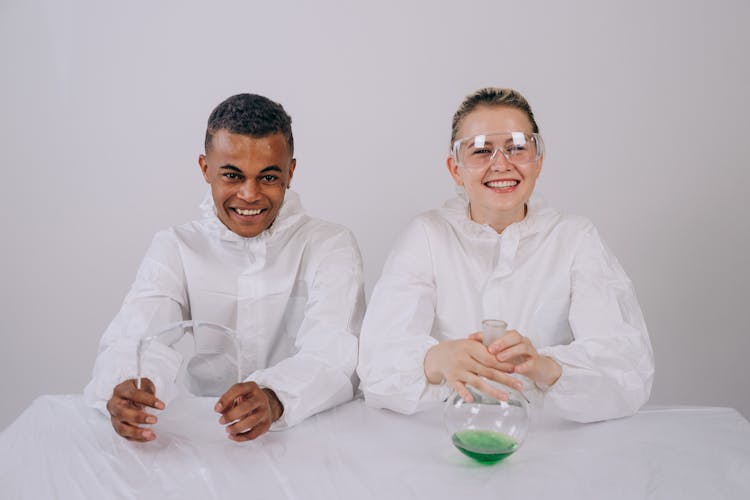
(250, 114)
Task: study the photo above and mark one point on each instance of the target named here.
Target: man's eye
(232, 176)
(516, 149)
(269, 179)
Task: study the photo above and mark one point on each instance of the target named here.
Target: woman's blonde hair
(492, 96)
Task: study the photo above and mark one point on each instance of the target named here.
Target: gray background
(642, 104)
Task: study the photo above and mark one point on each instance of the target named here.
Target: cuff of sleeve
(302, 397)
(287, 400)
(399, 383)
(282, 423)
(119, 364)
(436, 393)
(562, 385)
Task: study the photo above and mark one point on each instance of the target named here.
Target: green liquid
(484, 446)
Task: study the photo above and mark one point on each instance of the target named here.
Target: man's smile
(247, 212)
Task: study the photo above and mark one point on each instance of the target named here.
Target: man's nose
(248, 190)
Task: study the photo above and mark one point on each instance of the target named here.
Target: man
(289, 284)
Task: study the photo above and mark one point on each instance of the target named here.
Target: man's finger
(145, 396)
(248, 422)
(227, 399)
(256, 431)
(245, 407)
(135, 416)
(146, 399)
(132, 432)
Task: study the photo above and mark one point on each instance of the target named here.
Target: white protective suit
(549, 276)
(294, 294)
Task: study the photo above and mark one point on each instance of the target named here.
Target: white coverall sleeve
(157, 298)
(608, 369)
(396, 333)
(319, 375)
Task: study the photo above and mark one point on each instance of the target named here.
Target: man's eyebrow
(271, 168)
(232, 168)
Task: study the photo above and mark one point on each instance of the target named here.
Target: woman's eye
(481, 151)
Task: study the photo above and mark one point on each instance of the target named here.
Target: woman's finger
(485, 387)
(462, 391)
(525, 367)
(484, 357)
(511, 338)
(522, 351)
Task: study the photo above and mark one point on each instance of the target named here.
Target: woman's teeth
(501, 184)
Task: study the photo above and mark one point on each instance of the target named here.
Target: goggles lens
(480, 151)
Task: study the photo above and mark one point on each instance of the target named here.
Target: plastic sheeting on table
(59, 448)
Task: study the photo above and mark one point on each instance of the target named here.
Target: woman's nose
(498, 160)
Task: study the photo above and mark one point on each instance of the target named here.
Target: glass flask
(210, 353)
(492, 330)
(487, 430)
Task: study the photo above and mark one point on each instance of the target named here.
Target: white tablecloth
(59, 448)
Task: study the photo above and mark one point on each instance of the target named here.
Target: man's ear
(292, 166)
(204, 167)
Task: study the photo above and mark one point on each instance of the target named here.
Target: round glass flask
(487, 430)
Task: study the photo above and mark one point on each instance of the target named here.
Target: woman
(576, 340)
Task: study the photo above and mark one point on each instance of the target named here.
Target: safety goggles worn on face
(480, 151)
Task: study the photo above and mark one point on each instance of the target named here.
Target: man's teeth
(247, 212)
(501, 184)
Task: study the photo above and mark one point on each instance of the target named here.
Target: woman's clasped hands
(467, 361)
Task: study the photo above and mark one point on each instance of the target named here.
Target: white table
(59, 448)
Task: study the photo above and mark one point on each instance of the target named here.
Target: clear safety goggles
(480, 151)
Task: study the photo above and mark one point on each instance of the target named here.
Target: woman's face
(499, 192)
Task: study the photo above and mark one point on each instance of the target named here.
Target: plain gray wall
(643, 106)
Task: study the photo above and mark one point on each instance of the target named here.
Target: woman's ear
(453, 169)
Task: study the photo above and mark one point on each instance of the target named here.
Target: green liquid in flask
(484, 446)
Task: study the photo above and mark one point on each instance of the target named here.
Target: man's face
(248, 177)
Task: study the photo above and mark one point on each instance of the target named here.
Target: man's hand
(249, 410)
(127, 409)
(467, 361)
(518, 350)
